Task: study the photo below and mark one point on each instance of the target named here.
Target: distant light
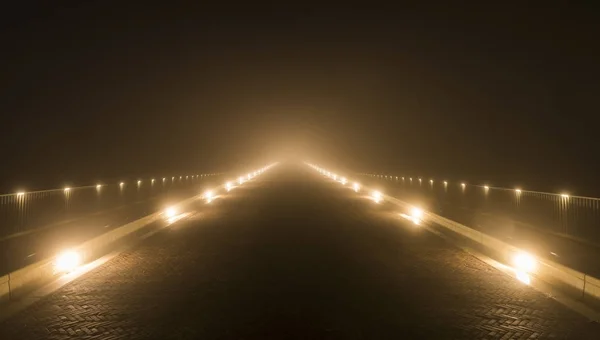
(20, 194)
(152, 180)
(564, 195)
(228, 185)
(518, 191)
(67, 189)
(420, 180)
(463, 185)
(208, 195)
(98, 186)
(164, 179)
(343, 180)
(122, 183)
(445, 182)
(67, 261)
(356, 187)
(486, 187)
(139, 182)
(431, 181)
(377, 196)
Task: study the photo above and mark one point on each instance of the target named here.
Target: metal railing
(35, 224)
(558, 213)
(23, 211)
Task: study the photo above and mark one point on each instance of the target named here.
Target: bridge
(297, 251)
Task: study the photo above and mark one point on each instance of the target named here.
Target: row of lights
(463, 185)
(416, 214)
(69, 260)
(122, 184)
(523, 263)
(209, 195)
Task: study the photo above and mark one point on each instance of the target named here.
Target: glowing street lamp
(524, 264)
(377, 196)
(417, 215)
(67, 261)
(170, 212)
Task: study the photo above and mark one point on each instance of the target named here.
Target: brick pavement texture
(295, 258)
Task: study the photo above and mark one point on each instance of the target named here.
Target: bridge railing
(558, 213)
(35, 225)
(23, 211)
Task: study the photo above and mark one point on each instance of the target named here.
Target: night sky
(505, 94)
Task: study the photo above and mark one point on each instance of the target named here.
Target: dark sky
(507, 94)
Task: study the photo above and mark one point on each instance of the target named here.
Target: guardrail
(16, 283)
(34, 224)
(563, 214)
(21, 280)
(23, 211)
(578, 284)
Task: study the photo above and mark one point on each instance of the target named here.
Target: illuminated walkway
(291, 256)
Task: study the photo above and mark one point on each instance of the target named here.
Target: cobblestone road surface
(291, 256)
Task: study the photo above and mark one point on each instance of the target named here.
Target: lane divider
(17, 283)
(525, 266)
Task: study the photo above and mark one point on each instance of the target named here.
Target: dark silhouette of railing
(34, 225)
(561, 214)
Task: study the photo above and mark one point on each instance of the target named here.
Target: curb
(583, 287)
(35, 275)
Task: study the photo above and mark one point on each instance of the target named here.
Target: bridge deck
(573, 252)
(292, 256)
